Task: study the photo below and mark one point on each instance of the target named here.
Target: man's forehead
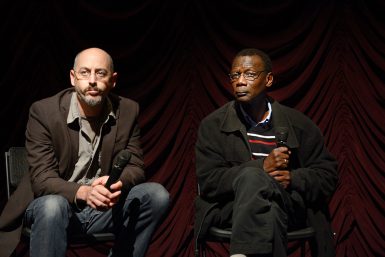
(247, 61)
(92, 61)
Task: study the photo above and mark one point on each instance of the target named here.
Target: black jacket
(222, 150)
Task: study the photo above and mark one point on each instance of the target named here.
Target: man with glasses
(74, 139)
(262, 167)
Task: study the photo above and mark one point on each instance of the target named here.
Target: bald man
(72, 140)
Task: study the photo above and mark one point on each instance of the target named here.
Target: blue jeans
(133, 221)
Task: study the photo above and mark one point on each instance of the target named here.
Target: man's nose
(241, 80)
(92, 78)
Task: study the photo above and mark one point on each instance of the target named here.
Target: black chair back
(16, 166)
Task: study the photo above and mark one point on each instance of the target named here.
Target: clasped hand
(99, 197)
(276, 165)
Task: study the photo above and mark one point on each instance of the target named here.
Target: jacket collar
(231, 121)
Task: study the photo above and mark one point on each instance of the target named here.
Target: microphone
(281, 134)
(120, 162)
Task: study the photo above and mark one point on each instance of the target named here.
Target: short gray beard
(92, 101)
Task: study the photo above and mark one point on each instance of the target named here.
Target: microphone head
(122, 158)
(120, 161)
(281, 134)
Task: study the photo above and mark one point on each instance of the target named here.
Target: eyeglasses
(248, 75)
(86, 74)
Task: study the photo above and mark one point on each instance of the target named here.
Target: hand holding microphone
(277, 162)
(96, 195)
(281, 134)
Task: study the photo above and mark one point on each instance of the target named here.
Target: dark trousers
(260, 215)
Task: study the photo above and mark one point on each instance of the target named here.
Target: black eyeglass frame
(248, 75)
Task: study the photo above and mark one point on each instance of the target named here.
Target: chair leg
(203, 249)
(200, 248)
(303, 248)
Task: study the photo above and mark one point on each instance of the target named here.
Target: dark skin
(252, 95)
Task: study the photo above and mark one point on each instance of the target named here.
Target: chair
(16, 166)
(216, 234)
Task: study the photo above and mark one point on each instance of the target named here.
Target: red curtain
(173, 58)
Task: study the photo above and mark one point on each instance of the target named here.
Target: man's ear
(114, 78)
(72, 77)
(269, 79)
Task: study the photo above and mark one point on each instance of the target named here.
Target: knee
(154, 195)
(52, 207)
(159, 195)
(251, 177)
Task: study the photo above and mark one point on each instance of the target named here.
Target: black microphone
(120, 162)
(281, 134)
